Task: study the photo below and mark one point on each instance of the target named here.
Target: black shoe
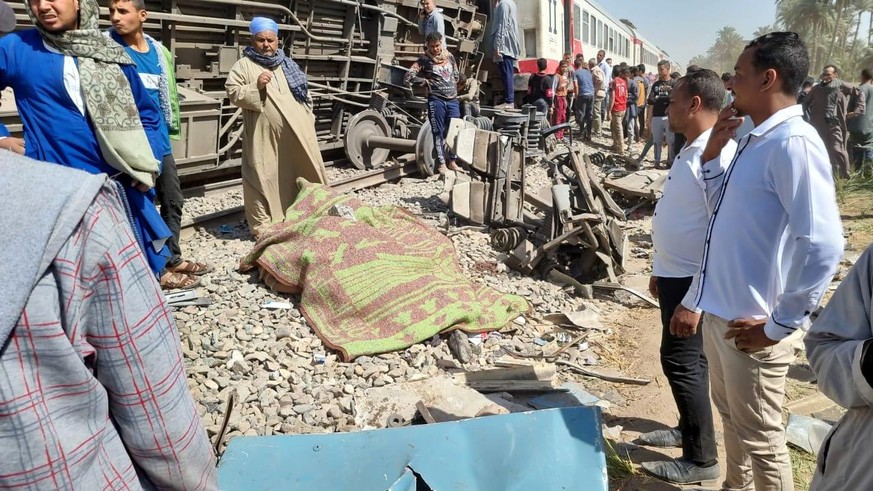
(662, 438)
(682, 471)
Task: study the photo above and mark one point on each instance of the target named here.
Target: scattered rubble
(286, 382)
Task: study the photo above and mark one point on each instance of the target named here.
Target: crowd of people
(746, 239)
(635, 104)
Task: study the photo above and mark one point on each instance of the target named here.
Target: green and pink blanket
(380, 283)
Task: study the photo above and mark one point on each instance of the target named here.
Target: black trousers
(687, 372)
(585, 114)
(641, 116)
(170, 199)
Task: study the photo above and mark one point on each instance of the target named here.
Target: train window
(626, 47)
(586, 27)
(605, 40)
(611, 40)
(595, 33)
(577, 22)
(530, 43)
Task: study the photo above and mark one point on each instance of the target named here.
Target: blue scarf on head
(295, 76)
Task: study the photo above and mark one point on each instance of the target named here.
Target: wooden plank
(425, 412)
(540, 371)
(580, 166)
(610, 205)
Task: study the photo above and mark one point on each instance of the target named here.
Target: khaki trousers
(615, 124)
(596, 122)
(748, 390)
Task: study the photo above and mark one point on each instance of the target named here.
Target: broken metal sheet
(446, 399)
(647, 183)
(586, 318)
(549, 449)
(613, 285)
(573, 397)
(806, 433)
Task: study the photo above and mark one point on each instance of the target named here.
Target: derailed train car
(354, 53)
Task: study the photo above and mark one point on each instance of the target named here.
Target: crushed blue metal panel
(575, 396)
(554, 449)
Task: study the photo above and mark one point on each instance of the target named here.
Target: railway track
(363, 180)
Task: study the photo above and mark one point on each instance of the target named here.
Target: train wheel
(361, 127)
(425, 153)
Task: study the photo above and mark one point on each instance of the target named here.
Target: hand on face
(725, 129)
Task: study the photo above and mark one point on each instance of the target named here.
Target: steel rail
(350, 184)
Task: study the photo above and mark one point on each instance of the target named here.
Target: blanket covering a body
(379, 283)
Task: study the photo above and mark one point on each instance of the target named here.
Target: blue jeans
(507, 71)
(585, 114)
(440, 112)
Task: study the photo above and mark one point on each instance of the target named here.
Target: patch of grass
(618, 466)
(860, 184)
(803, 466)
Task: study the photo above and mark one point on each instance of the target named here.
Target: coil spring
(597, 158)
(507, 239)
(482, 122)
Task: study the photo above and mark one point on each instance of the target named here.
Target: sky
(685, 28)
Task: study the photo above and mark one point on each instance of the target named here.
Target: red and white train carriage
(550, 28)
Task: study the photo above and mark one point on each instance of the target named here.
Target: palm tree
(841, 8)
(727, 48)
(861, 7)
(807, 18)
(702, 61)
(867, 57)
(764, 30)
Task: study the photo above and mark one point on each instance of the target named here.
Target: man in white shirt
(599, 95)
(678, 232)
(771, 248)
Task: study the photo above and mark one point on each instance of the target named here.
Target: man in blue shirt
(584, 109)
(430, 19)
(62, 85)
(155, 67)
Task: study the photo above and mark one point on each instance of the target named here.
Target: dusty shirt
(441, 78)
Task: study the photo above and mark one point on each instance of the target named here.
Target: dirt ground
(634, 350)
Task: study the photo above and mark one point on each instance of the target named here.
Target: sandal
(178, 281)
(190, 268)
